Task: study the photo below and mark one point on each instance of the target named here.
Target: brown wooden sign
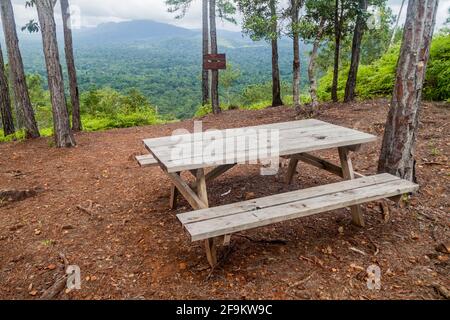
(215, 62)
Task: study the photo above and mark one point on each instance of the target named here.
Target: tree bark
(356, 52)
(205, 73)
(214, 50)
(21, 95)
(5, 100)
(70, 60)
(295, 4)
(276, 82)
(337, 51)
(312, 68)
(399, 143)
(61, 123)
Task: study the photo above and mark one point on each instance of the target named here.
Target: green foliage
(20, 135)
(101, 109)
(225, 9)
(259, 105)
(374, 80)
(120, 120)
(228, 78)
(378, 78)
(374, 43)
(256, 93)
(318, 18)
(40, 100)
(260, 19)
(376, 40)
(437, 85)
(106, 109)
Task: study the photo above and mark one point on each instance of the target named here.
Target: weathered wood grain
(147, 161)
(274, 209)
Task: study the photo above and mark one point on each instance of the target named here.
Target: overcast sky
(94, 12)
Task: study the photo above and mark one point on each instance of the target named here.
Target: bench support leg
(349, 174)
(227, 240)
(292, 170)
(211, 251)
(190, 195)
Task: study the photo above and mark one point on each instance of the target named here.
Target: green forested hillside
(165, 68)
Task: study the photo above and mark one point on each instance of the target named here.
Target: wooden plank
(147, 161)
(287, 139)
(267, 202)
(197, 147)
(172, 140)
(215, 61)
(286, 149)
(278, 213)
(319, 163)
(187, 192)
(349, 174)
(215, 173)
(215, 65)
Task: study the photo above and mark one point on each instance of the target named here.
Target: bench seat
(226, 220)
(147, 161)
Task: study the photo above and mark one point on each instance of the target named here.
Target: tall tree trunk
(276, 81)
(356, 52)
(399, 143)
(70, 60)
(205, 73)
(312, 68)
(21, 95)
(295, 4)
(5, 100)
(61, 123)
(337, 51)
(214, 50)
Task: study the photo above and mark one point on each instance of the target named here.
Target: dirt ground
(131, 246)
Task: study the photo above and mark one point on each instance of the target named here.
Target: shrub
(437, 85)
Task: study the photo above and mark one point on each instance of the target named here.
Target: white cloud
(94, 12)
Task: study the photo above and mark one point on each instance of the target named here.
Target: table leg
(292, 170)
(174, 196)
(349, 174)
(202, 192)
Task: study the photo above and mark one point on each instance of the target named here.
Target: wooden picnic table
(296, 140)
(221, 151)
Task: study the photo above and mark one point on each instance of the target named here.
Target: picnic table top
(221, 147)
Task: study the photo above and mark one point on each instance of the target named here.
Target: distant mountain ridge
(132, 31)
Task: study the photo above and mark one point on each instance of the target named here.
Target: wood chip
(444, 248)
(443, 291)
(358, 251)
